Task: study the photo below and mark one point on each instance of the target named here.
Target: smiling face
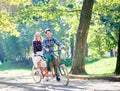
(38, 36)
(48, 34)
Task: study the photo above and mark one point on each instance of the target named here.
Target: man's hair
(48, 29)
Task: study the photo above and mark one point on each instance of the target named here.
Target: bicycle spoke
(36, 75)
(63, 75)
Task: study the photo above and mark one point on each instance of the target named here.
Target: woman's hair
(35, 36)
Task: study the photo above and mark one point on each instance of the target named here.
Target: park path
(22, 81)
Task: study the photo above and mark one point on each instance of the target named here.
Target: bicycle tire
(63, 73)
(36, 77)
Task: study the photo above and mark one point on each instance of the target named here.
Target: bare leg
(43, 70)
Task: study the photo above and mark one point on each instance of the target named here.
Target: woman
(37, 56)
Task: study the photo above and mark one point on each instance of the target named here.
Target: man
(48, 48)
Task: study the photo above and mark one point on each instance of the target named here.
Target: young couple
(46, 48)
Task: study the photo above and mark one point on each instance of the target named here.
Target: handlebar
(59, 49)
(58, 52)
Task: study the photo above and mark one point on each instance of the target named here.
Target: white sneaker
(45, 79)
(50, 74)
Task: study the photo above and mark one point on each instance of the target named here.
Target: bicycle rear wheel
(36, 75)
(64, 76)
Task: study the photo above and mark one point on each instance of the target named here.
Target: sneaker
(50, 74)
(58, 79)
(45, 79)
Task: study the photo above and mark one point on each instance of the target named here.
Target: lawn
(99, 66)
(17, 65)
(94, 66)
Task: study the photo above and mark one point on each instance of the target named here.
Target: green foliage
(6, 20)
(1, 52)
(22, 18)
(11, 48)
(58, 15)
(6, 24)
(103, 34)
(67, 62)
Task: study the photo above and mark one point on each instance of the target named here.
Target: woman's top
(37, 46)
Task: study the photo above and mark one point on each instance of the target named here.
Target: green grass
(92, 60)
(102, 66)
(18, 65)
(94, 66)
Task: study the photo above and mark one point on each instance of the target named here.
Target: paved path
(22, 81)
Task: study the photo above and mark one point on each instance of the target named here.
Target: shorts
(36, 59)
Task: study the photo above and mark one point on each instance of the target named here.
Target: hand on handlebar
(47, 50)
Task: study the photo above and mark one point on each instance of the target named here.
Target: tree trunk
(72, 46)
(117, 70)
(86, 52)
(111, 52)
(78, 65)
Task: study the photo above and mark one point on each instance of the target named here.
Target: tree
(7, 23)
(103, 35)
(1, 52)
(78, 65)
(117, 70)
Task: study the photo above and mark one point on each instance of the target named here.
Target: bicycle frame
(55, 66)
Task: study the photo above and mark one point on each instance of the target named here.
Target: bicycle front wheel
(64, 76)
(36, 75)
